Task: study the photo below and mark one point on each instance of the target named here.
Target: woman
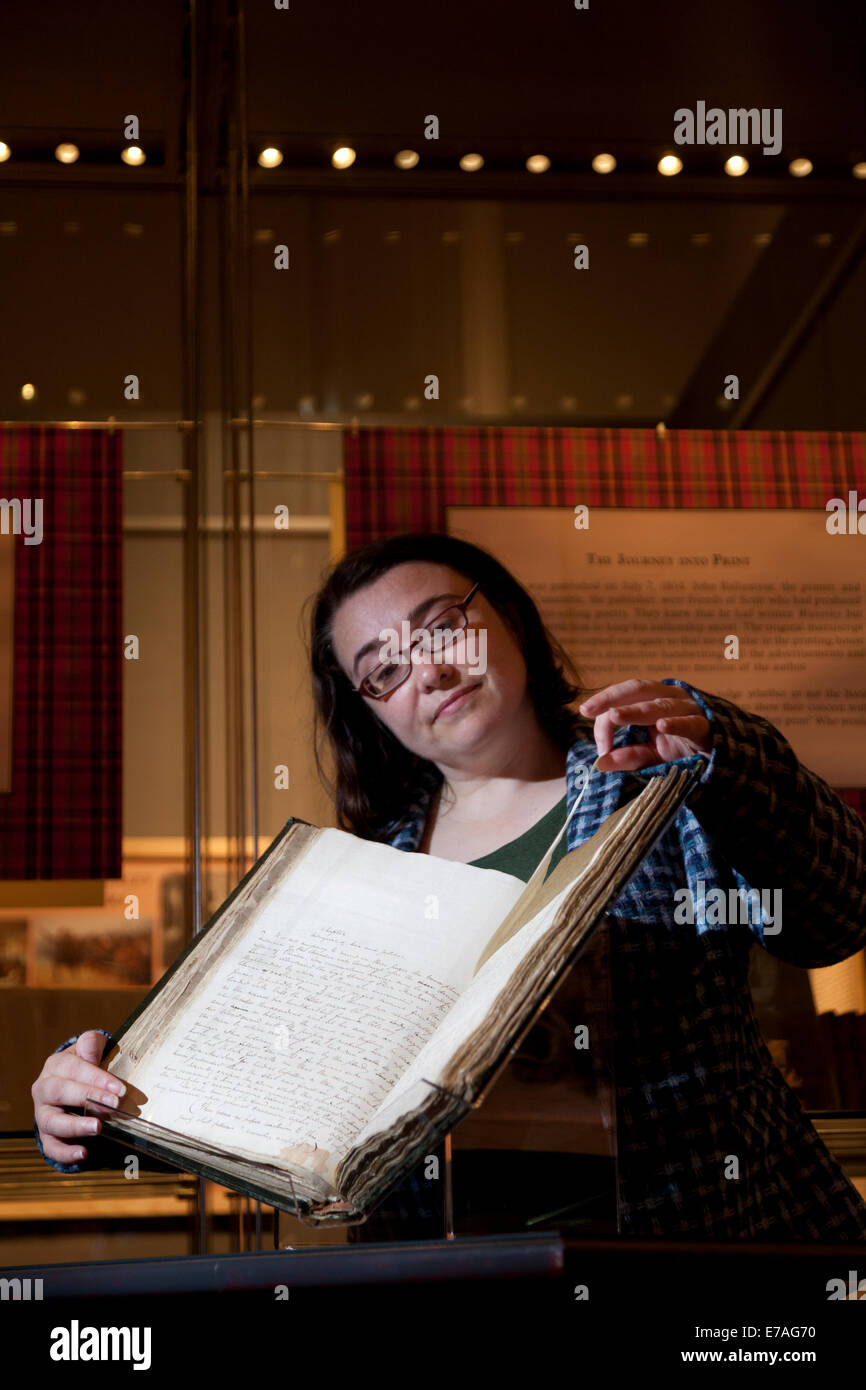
(441, 752)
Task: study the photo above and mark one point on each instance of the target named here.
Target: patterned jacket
(695, 1083)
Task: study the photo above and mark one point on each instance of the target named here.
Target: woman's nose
(431, 673)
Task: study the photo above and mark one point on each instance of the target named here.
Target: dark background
(762, 276)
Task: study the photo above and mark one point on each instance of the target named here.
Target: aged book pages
(294, 1023)
(352, 1000)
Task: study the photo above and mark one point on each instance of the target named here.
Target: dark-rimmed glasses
(438, 634)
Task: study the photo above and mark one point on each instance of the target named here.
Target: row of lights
(67, 153)
(365, 401)
(343, 157)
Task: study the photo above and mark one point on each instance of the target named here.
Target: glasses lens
(386, 677)
(445, 627)
(439, 635)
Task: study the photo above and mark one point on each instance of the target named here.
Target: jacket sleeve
(780, 826)
(100, 1153)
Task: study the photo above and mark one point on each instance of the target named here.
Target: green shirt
(521, 856)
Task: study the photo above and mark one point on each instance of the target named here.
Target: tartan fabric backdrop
(62, 818)
(403, 480)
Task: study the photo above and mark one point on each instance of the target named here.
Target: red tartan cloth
(404, 479)
(62, 818)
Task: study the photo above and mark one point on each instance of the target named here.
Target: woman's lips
(455, 701)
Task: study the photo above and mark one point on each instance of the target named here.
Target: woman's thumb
(91, 1046)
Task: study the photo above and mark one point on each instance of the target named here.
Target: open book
(350, 1002)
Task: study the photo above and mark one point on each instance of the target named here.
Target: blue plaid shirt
(695, 1083)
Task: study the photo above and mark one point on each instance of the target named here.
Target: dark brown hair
(377, 780)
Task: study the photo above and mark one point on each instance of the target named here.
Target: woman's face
(445, 711)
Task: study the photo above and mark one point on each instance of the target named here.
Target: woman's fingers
(52, 1089)
(649, 711)
(621, 691)
(68, 1079)
(695, 727)
(69, 1063)
(61, 1153)
(59, 1125)
(628, 759)
(604, 707)
(67, 1066)
(56, 1128)
(675, 738)
(651, 703)
(646, 712)
(89, 1045)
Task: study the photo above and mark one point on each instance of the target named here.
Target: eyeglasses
(436, 636)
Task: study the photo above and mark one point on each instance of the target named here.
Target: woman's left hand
(677, 726)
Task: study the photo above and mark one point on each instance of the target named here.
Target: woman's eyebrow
(412, 618)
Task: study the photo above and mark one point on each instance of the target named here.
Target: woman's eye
(386, 672)
(450, 622)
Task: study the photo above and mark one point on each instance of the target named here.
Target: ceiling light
(859, 169)
(406, 159)
(343, 157)
(604, 164)
(538, 164)
(66, 153)
(270, 157)
(28, 391)
(133, 154)
(800, 168)
(736, 165)
(470, 162)
(669, 164)
(5, 151)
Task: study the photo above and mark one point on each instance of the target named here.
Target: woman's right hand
(68, 1078)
